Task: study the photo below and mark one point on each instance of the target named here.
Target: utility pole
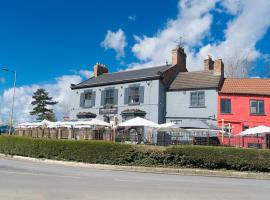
(13, 98)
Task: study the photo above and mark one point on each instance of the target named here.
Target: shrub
(101, 152)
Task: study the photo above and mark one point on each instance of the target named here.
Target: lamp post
(13, 98)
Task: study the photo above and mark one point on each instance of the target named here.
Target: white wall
(150, 105)
(178, 105)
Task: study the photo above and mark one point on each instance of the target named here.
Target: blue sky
(54, 43)
(45, 39)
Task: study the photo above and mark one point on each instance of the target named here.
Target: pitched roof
(123, 77)
(254, 86)
(195, 80)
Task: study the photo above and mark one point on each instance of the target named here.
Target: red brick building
(242, 104)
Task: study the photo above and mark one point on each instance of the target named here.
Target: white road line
(126, 180)
(39, 174)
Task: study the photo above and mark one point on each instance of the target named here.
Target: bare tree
(237, 66)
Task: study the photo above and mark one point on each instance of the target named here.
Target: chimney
(179, 58)
(100, 69)
(208, 64)
(219, 67)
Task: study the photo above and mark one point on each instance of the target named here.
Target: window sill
(226, 113)
(197, 106)
(133, 104)
(257, 114)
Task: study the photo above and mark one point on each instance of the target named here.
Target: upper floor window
(109, 97)
(88, 99)
(256, 107)
(134, 95)
(225, 106)
(197, 99)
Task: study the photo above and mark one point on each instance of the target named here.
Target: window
(225, 106)
(87, 99)
(257, 107)
(197, 99)
(109, 97)
(134, 95)
(245, 127)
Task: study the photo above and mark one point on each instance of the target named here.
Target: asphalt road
(30, 180)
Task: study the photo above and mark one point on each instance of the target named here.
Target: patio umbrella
(255, 131)
(138, 121)
(169, 127)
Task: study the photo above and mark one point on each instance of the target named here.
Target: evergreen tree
(41, 102)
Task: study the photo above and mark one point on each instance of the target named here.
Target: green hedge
(123, 154)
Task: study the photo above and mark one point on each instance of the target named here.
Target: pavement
(26, 180)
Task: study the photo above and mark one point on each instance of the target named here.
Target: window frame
(91, 95)
(197, 100)
(257, 107)
(107, 97)
(134, 96)
(225, 99)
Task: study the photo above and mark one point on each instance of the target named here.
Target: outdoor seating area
(142, 131)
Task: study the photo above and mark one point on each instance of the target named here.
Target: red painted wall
(240, 112)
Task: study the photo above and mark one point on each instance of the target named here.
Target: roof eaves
(115, 82)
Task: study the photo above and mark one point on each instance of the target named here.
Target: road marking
(39, 174)
(126, 180)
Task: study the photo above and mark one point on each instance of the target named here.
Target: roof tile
(254, 86)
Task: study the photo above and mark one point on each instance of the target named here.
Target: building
(242, 104)
(126, 94)
(193, 95)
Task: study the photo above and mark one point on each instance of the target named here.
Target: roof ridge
(139, 69)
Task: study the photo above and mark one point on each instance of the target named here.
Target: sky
(54, 43)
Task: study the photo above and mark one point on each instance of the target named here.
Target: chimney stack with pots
(179, 58)
(208, 64)
(217, 66)
(100, 69)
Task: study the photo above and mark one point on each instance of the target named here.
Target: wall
(240, 112)
(150, 105)
(178, 105)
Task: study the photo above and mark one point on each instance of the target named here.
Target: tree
(41, 104)
(237, 66)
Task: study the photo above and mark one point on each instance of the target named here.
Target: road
(26, 180)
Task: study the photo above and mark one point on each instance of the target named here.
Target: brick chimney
(208, 64)
(179, 58)
(100, 69)
(219, 67)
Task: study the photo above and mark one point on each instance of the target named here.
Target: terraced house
(193, 95)
(127, 94)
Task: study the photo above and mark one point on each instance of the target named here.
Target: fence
(65, 133)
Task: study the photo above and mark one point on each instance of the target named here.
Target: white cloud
(2, 80)
(116, 41)
(250, 21)
(132, 17)
(59, 90)
(86, 73)
(192, 25)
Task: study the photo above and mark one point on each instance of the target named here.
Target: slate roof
(195, 80)
(123, 77)
(254, 86)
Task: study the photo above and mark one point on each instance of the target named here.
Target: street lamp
(13, 98)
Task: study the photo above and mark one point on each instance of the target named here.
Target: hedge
(101, 152)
